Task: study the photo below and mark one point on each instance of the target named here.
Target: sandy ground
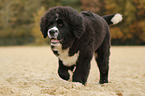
(32, 71)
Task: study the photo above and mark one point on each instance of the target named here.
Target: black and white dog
(76, 37)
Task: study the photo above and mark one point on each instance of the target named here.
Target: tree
(96, 6)
(5, 16)
(51, 3)
(16, 20)
(38, 38)
(133, 14)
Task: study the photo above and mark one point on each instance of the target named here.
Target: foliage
(38, 38)
(20, 19)
(16, 21)
(96, 6)
(132, 28)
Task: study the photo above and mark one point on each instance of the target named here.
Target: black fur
(108, 18)
(86, 33)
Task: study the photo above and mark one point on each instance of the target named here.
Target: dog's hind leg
(102, 58)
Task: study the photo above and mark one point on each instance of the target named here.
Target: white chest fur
(64, 56)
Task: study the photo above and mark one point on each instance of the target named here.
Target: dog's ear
(76, 23)
(43, 26)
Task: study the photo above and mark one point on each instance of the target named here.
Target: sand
(32, 71)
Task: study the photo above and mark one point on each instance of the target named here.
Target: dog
(75, 37)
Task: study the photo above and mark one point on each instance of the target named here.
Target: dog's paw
(64, 75)
(103, 81)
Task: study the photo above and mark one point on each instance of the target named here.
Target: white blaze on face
(64, 56)
(55, 35)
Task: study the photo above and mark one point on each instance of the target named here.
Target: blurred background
(19, 19)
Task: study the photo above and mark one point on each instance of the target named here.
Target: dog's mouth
(55, 42)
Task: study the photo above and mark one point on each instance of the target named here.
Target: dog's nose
(52, 32)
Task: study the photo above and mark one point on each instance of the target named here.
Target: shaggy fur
(78, 36)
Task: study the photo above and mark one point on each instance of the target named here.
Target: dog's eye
(60, 22)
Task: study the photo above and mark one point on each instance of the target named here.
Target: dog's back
(97, 28)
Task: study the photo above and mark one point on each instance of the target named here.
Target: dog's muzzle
(53, 32)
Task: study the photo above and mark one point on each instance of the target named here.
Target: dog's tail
(113, 19)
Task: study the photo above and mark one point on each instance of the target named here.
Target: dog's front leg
(82, 69)
(63, 71)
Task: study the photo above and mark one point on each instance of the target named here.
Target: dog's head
(62, 25)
